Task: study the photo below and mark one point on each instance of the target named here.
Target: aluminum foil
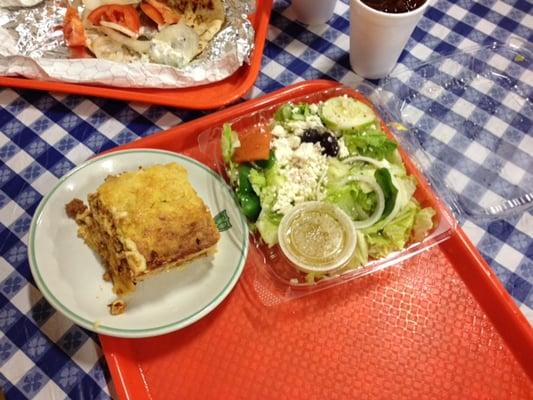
(32, 45)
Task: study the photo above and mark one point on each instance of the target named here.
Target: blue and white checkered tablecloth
(43, 135)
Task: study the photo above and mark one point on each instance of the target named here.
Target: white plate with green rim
(69, 274)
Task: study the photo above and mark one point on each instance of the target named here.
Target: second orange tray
(437, 326)
(203, 97)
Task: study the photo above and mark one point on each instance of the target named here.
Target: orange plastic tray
(437, 326)
(203, 97)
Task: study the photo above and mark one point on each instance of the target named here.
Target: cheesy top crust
(157, 215)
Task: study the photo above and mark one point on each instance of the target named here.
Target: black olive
(329, 144)
(312, 136)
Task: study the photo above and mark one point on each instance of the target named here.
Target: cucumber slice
(345, 113)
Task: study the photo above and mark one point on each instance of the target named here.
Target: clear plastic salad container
(463, 125)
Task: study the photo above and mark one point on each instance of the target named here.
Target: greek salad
(334, 151)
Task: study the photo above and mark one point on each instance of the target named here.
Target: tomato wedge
(73, 30)
(255, 146)
(152, 13)
(124, 15)
(170, 16)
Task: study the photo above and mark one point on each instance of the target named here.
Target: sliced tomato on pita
(170, 16)
(123, 15)
(151, 12)
(73, 30)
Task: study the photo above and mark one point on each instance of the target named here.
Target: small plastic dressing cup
(317, 237)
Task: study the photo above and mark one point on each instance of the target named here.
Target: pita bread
(104, 47)
(204, 16)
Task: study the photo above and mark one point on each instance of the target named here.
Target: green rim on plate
(102, 328)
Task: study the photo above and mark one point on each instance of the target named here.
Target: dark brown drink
(394, 6)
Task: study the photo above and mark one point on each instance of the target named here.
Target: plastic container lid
(469, 126)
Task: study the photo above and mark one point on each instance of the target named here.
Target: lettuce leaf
(393, 236)
(360, 255)
(257, 180)
(337, 170)
(283, 113)
(423, 224)
(292, 112)
(267, 224)
(265, 184)
(229, 141)
(390, 192)
(372, 143)
(353, 200)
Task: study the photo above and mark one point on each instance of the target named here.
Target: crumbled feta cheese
(282, 151)
(307, 150)
(297, 127)
(294, 141)
(279, 131)
(310, 122)
(314, 121)
(313, 108)
(303, 170)
(343, 150)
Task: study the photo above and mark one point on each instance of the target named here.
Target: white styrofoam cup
(377, 38)
(313, 12)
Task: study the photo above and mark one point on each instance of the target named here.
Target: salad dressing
(317, 237)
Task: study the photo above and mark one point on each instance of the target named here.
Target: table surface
(44, 135)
